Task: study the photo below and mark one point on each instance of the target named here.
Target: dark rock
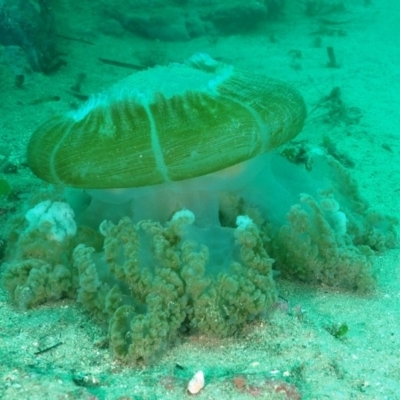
(175, 20)
(29, 25)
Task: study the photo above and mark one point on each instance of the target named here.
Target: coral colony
(178, 213)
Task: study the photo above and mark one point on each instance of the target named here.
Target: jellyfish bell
(167, 137)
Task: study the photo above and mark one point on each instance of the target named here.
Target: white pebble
(196, 383)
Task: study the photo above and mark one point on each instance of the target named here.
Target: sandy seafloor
(366, 363)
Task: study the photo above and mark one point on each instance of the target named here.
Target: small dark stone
(19, 80)
(3, 245)
(86, 380)
(9, 168)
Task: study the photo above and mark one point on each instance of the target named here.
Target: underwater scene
(199, 199)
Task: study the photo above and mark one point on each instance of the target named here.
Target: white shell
(196, 383)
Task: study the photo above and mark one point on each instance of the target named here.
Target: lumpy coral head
(166, 124)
